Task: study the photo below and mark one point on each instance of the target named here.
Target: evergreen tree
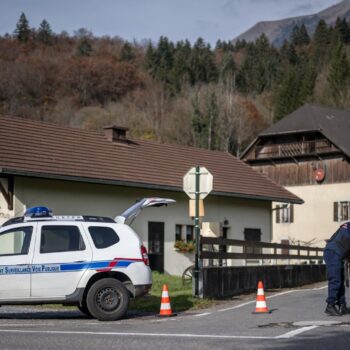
(259, 66)
(219, 45)
(307, 73)
(240, 44)
(300, 36)
(225, 46)
(127, 54)
(84, 47)
(294, 86)
(45, 34)
(203, 68)
(163, 60)
(289, 53)
(181, 74)
(339, 75)
(322, 40)
(149, 60)
(22, 31)
(341, 31)
(286, 94)
(227, 70)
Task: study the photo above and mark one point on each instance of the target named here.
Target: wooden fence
(298, 265)
(220, 249)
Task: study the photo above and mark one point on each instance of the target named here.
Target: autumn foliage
(180, 92)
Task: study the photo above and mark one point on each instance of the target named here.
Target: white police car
(93, 262)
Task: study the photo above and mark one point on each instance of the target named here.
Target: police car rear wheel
(107, 300)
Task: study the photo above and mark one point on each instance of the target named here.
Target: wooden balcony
(296, 149)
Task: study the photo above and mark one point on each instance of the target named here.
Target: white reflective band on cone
(165, 306)
(260, 292)
(260, 304)
(165, 294)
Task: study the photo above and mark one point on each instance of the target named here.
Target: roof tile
(40, 149)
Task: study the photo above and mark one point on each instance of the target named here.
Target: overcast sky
(149, 19)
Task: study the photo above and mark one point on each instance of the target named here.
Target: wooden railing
(219, 248)
(294, 149)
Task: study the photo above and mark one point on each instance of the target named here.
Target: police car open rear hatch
(132, 212)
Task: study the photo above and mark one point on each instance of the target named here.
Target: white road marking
(210, 336)
(271, 296)
(324, 287)
(203, 314)
(25, 324)
(254, 301)
(237, 306)
(206, 336)
(279, 294)
(292, 334)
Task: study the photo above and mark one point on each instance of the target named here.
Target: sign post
(197, 183)
(197, 233)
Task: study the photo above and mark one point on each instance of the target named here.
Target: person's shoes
(343, 309)
(332, 310)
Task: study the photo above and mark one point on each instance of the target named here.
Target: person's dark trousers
(335, 275)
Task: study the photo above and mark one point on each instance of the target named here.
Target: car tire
(107, 300)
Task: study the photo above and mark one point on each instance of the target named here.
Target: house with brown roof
(308, 152)
(77, 172)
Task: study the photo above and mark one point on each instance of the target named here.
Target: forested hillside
(191, 94)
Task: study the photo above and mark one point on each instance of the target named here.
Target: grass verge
(180, 296)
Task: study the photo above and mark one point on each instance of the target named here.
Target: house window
(187, 229)
(189, 233)
(178, 232)
(284, 213)
(252, 235)
(341, 211)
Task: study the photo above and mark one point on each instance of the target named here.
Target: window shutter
(291, 213)
(335, 211)
(278, 214)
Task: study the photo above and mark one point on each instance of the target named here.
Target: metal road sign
(206, 183)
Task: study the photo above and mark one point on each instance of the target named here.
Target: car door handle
(80, 261)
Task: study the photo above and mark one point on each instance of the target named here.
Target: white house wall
(74, 198)
(313, 220)
(5, 214)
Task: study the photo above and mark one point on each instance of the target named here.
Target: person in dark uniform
(336, 251)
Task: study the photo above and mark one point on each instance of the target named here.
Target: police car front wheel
(107, 299)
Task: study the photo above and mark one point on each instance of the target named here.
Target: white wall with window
(325, 208)
(284, 213)
(74, 198)
(341, 211)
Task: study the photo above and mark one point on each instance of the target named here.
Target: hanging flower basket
(184, 247)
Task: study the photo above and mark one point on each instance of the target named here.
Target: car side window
(55, 239)
(15, 241)
(103, 237)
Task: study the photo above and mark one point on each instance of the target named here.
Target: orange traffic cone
(165, 307)
(261, 306)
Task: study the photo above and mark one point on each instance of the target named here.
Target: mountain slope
(278, 31)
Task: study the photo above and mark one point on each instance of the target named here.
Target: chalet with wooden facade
(308, 152)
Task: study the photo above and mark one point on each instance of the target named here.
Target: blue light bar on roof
(37, 212)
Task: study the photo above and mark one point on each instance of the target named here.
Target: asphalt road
(297, 321)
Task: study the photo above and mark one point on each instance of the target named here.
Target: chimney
(116, 133)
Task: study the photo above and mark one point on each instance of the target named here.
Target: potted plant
(182, 246)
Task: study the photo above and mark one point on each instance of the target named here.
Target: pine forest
(186, 93)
